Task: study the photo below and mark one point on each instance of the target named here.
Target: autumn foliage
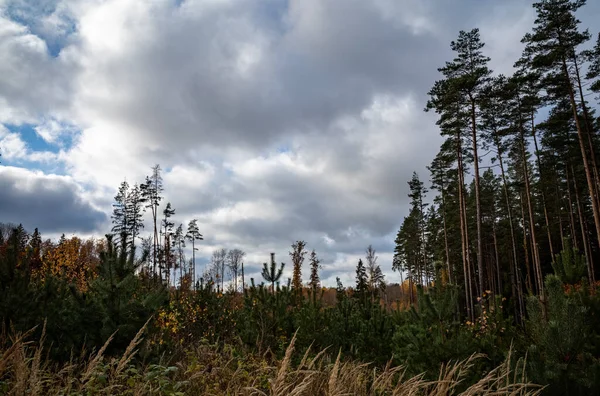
(74, 260)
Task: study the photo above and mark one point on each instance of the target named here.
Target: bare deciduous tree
(234, 264)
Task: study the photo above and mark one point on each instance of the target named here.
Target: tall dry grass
(207, 370)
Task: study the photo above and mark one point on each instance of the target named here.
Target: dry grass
(209, 371)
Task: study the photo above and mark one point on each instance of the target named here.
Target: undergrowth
(213, 370)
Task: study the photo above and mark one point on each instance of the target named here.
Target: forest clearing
(490, 289)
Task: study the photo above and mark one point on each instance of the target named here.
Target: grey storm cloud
(50, 203)
(223, 76)
(334, 87)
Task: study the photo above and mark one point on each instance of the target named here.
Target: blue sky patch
(284, 149)
(36, 143)
(31, 13)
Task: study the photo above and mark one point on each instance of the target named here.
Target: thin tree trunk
(528, 280)
(571, 217)
(534, 245)
(463, 238)
(423, 247)
(193, 269)
(243, 281)
(155, 216)
(539, 165)
(588, 258)
(410, 288)
(559, 201)
(498, 277)
(515, 260)
(181, 269)
(446, 248)
(520, 296)
(589, 133)
(560, 224)
(589, 255)
(586, 166)
(470, 263)
(477, 196)
(155, 238)
(401, 287)
(235, 279)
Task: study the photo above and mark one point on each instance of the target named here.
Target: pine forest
(495, 289)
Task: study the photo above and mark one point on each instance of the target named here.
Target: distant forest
(496, 262)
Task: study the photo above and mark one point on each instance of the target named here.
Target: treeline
(80, 294)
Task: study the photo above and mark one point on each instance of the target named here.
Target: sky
(273, 120)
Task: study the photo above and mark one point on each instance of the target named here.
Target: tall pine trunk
(589, 132)
(193, 269)
(446, 248)
(588, 258)
(586, 165)
(477, 195)
(534, 246)
(528, 280)
(571, 216)
(423, 247)
(497, 258)
(513, 240)
(543, 195)
(463, 234)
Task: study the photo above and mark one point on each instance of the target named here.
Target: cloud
(274, 120)
(11, 144)
(51, 203)
(33, 82)
(15, 150)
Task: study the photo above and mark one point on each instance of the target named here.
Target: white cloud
(13, 148)
(52, 130)
(11, 145)
(33, 83)
(274, 121)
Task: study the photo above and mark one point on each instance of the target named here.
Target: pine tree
(375, 278)
(440, 181)
(593, 74)
(167, 245)
(560, 333)
(151, 193)
(117, 289)
(35, 250)
(271, 274)
(362, 281)
(297, 256)
(417, 195)
(120, 216)
(496, 128)
(315, 282)
(179, 244)
(193, 234)
(408, 252)
(447, 101)
(569, 266)
(552, 50)
(470, 76)
(521, 106)
(340, 290)
(135, 213)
